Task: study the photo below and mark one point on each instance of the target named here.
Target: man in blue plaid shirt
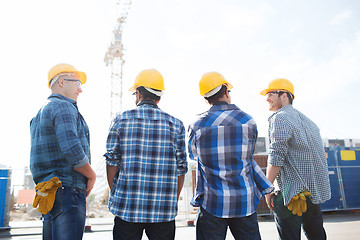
(229, 181)
(60, 147)
(146, 164)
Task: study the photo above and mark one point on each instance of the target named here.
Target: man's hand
(181, 180)
(271, 173)
(270, 200)
(89, 173)
(90, 185)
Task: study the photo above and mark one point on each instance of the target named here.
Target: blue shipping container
(350, 168)
(344, 168)
(336, 201)
(5, 197)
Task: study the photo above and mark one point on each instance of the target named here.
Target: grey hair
(54, 80)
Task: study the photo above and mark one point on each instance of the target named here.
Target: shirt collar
(287, 107)
(221, 103)
(223, 107)
(147, 102)
(59, 96)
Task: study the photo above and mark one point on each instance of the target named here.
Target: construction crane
(115, 57)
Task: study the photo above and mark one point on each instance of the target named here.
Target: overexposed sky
(315, 44)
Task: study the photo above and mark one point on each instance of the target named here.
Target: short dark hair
(148, 95)
(289, 95)
(215, 98)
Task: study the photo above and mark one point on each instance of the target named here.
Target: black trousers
(289, 225)
(133, 231)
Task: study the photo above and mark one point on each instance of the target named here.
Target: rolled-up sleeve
(279, 135)
(112, 154)
(181, 158)
(192, 144)
(263, 185)
(65, 125)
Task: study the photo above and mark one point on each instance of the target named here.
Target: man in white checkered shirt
(298, 162)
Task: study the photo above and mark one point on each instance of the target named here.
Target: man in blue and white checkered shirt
(146, 164)
(229, 181)
(298, 162)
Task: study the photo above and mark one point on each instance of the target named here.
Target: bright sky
(315, 44)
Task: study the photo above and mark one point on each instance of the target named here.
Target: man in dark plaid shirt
(60, 147)
(298, 162)
(229, 181)
(146, 164)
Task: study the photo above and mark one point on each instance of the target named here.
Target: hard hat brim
(82, 76)
(264, 92)
(133, 88)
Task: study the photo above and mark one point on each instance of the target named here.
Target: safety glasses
(78, 83)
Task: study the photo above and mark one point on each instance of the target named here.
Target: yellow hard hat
(149, 78)
(279, 84)
(212, 80)
(65, 68)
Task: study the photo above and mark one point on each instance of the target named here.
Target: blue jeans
(289, 225)
(133, 231)
(209, 227)
(66, 221)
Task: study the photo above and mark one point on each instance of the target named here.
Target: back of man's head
(217, 96)
(147, 95)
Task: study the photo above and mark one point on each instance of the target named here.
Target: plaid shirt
(148, 147)
(59, 142)
(296, 146)
(229, 181)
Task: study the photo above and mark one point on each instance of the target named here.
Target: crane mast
(115, 57)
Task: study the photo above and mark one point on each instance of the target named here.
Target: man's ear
(60, 82)
(284, 97)
(139, 94)
(227, 94)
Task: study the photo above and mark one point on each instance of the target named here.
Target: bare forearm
(111, 172)
(181, 180)
(90, 175)
(272, 172)
(86, 171)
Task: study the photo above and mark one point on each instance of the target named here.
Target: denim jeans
(209, 227)
(133, 231)
(66, 221)
(289, 225)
